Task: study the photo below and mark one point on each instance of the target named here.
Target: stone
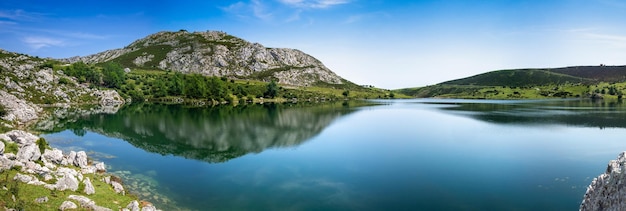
(40, 200)
(606, 192)
(81, 159)
(149, 208)
(100, 167)
(117, 187)
(89, 189)
(18, 109)
(69, 159)
(4, 137)
(66, 205)
(54, 155)
(1, 147)
(29, 152)
(67, 182)
(87, 203)
(133, 206)
(22, 137)
(23, 178)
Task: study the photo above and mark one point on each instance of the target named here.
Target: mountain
(537, 77)
(215, 53)
(531, 83)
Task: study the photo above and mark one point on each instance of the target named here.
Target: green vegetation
(3, 111)
(25, 194)
(569, 82)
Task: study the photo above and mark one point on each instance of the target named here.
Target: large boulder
(89, 189)
(109, 98)
(606, 192)
(18, 109)
(54, 155)
(22, 137)
(67, 182)
(68, 205)
(81, 159)
(29, 152)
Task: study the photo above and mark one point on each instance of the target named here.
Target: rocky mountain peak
(216, 53)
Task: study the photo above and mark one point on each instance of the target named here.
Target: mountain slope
(215, 53)
(537, 77)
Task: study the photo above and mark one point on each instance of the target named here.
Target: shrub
(3, 111)
(42, 144)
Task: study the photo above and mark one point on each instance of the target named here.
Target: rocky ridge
(60, 172)
(216, 53)
(27, 84)
(606, 192)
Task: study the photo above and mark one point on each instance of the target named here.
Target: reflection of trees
(585, 113)
(214, 134)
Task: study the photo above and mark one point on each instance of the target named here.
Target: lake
(422, 154)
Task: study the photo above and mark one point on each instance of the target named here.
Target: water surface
(395, 155)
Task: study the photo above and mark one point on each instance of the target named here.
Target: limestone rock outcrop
(216, 53)
(608, 191)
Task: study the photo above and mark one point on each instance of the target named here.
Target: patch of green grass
(159, 52)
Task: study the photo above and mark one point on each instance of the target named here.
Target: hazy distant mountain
(216, 53)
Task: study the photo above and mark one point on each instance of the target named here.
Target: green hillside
(579, 81)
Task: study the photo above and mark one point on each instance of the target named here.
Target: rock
(29, 152)
(40, 200)
(149, 208)
(22, 137)
(54, 155)
(100, 167)
(23, 178)
(133, 206)
(109, 98)
(89, 189)
(127, 70)
(18, 109)
(117, 187)
(4, 137)
(1, 147)
(68, 205)
(69, 159)
(81, 159)
(88, 170)
(606, 192)
(67, 182)
(87, 203)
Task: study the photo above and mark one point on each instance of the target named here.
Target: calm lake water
(391, 155)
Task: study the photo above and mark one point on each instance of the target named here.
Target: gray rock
(88, 170)
(69, 159)
(67, 182)
(109, 98)
(23, 178)
(87, 203)
(81, 159)
(18, 109)
(100, 167)
(4, 137)
(133, 206)
(1, 147)
(40, 200)
(89, 189)
(29, 152)
(606, 192)
(149, 207)
(22, 137)
(66, 205)
(117, 187)
(54, 155)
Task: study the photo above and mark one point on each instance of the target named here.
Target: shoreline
(71, 180)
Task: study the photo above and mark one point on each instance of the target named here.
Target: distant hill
(537, 77)
(528, 83)
(214, 53)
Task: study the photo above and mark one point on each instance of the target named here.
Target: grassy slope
(531, 83)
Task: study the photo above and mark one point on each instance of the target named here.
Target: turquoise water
(391, 155)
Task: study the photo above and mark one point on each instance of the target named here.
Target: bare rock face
(109, 98)
(19, 109)
(607, 191)
(81, 159)
(29, 152)
(216, 53)
(89, 189)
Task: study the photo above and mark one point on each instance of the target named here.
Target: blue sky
(388, 44)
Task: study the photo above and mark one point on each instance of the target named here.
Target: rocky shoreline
(607, 191)
(53, 170)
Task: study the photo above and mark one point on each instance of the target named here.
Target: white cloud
(19, 15)
(42, 42)
(254, 8)
(314, 4)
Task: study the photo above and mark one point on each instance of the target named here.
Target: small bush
(3, 111)
(11, 147)
(42, 144)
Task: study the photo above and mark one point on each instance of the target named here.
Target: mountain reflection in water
(213, 134)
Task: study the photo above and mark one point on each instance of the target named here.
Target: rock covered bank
(72, 173)
(608, 191)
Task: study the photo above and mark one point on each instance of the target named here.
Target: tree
(272, 90)
(176, 85)
(113, 75)
(195, 86)
(346, 93)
